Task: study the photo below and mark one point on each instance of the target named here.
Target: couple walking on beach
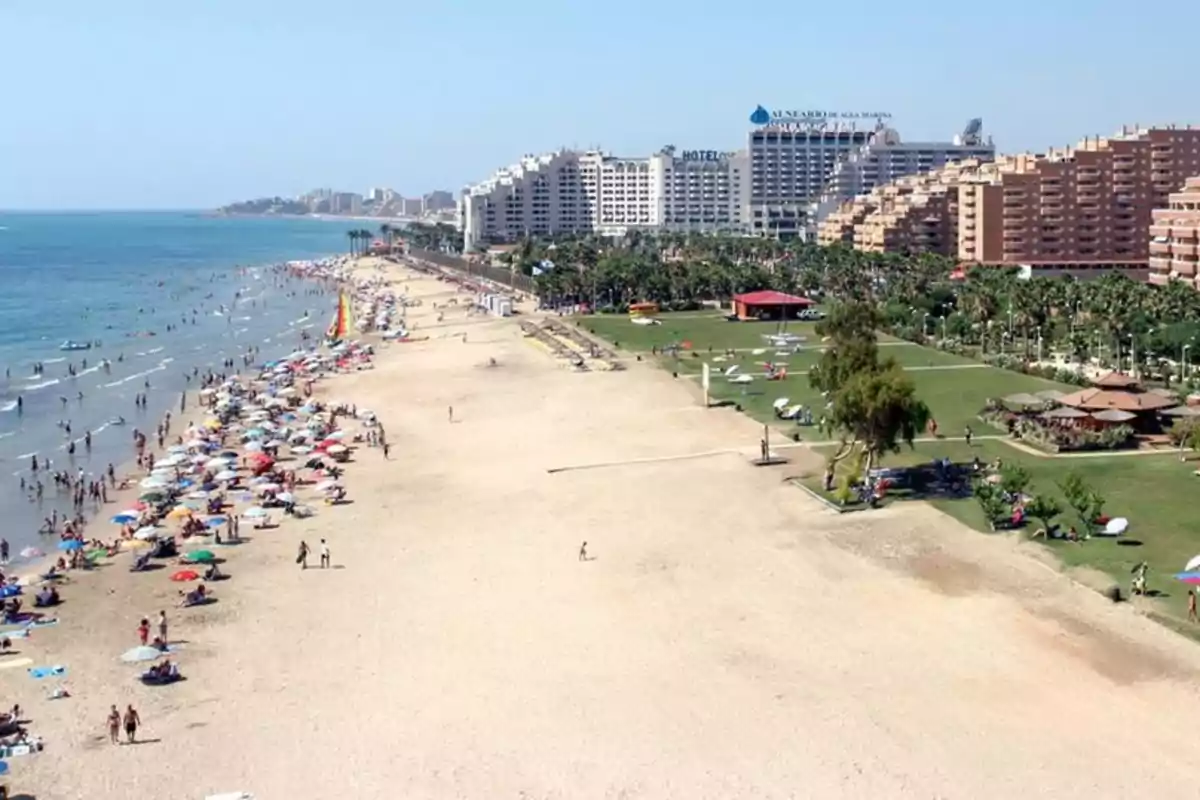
(302, 555)
(131, 722)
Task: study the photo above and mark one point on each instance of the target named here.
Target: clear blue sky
(169, 104)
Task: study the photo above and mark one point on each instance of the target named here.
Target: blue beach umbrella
(216, 522)
(70, 545)
(3, 767)
(8, 591)
(123, 519)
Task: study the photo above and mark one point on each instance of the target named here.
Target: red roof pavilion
(768, 304)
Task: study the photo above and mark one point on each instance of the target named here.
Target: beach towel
(19, 630)
(47, 672)
(16, 662)
(8, 751)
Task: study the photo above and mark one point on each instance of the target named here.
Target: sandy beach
(727, 637)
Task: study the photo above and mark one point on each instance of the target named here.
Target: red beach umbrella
(185, 575)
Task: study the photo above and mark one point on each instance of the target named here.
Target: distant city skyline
(192, 106)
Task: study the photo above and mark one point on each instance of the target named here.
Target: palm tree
(353, 237)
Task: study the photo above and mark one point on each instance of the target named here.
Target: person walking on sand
(114, 726)
(324, 555)
(450, 413)
(386, 449)
(583, 552)
(162, 626)
(1192, 606)
(144, 631)
(302, 555)
(132, 721)
(3, 551)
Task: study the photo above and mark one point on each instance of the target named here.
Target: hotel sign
(705, 155)
(813, 120)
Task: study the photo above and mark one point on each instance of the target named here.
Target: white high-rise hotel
(798, 166)
(591, 192)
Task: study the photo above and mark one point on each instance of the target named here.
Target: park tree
(1014, 479)
(850, 331)
(875, 411)
(1044, 508)
(991, 502)
(1085, 501)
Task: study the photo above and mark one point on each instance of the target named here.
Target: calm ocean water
(117, 278)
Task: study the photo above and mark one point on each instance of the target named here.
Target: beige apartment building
(1175, 237)
(918, 213)
(1078, 210)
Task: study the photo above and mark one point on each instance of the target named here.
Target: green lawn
(1152, 491)
(955, 396)
(702, 329)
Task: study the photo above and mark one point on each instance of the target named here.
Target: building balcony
(1160, 264)
(1184, 233)
(1177, 249)
(1185, 269)
(1160, 248)
(1160, 230)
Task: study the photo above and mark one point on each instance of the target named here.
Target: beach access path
(727, 637)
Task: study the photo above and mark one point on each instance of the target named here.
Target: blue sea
(121, 279)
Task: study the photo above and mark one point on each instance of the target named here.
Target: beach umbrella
(96, 555)
(1194, 564)
(1191, 578)
(70, 545)
(148, 532)
(3, 767)
(218, 462)
(9, 590)
(1115, 527)
(31, 552)
(135, 544)
(153, 483)
(133, 512)
(335, 435)
(325, 486)
(285, 497)
(267, 488)
(255, 512)
(302, 449)
(254, 447)
(179, 512)
(336, 449)
(153, 495)
(216, 522)
(227, 475)
(124, 519)
(142, 653)
(201, 556)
